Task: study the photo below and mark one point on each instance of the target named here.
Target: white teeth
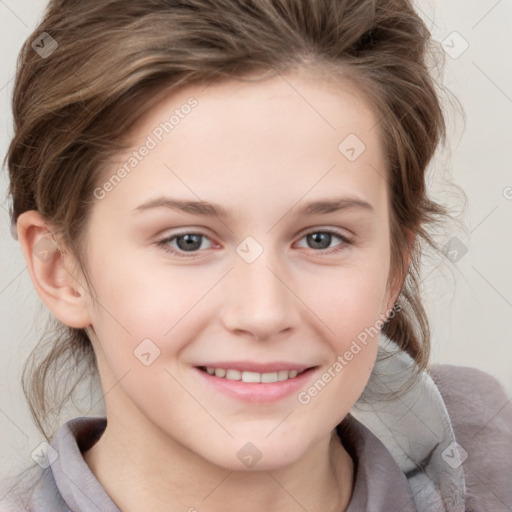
(269, 377)
(282, 375)
(252, 377)
(233, 374)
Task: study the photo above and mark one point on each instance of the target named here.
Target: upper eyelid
(335, 231)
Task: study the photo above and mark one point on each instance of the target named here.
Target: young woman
(223, 204)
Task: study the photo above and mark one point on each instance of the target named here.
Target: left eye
(322, 240)
(191, 242)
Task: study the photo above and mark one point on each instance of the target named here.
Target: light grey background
(469, 302)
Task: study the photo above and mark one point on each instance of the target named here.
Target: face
(278, 284)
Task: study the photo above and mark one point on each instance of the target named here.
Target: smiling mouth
(252, 377)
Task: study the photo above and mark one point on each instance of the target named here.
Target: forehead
(258, 104)
(296, 133)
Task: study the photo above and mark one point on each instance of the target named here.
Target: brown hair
(73, 108)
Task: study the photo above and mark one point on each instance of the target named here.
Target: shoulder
(34, 489)
(474, 399)
(481, 415)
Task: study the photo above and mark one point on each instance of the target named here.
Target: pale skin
(261, 151)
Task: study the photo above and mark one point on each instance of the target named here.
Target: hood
(410, 418)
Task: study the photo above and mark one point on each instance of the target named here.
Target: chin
(258, 455)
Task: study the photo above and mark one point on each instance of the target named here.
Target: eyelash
(164, 244)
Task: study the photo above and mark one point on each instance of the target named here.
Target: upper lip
(257, 367)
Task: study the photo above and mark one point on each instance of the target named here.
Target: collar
(410, 418)
(375, 470)
(75, 481)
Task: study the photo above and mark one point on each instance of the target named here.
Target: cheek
(353, 311)
(129, 290)
(136, 303)
(354, 317)
(350, 301)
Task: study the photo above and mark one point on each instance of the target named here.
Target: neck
(154, 472)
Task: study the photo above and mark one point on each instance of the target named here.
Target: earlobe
(50, 272)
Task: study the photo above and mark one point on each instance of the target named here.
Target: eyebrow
(206, 209)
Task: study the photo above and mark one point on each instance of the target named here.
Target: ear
(50, 268)
(396, 287)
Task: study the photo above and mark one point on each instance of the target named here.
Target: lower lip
(257, 391)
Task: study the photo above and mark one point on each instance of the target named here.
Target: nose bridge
(259, 301)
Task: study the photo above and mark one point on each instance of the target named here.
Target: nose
(258, 299)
